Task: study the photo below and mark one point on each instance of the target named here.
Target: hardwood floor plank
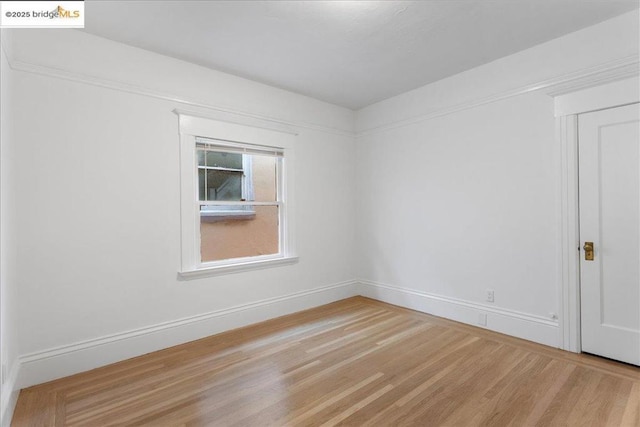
(631, 416)
(358, 406)
(356, 362)
(550, 391)
(315, 407)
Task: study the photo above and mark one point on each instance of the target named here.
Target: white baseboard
(47, 365)
(43, 366)
(522, 325)
(9, 396)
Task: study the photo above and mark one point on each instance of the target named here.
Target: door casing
(567, 108)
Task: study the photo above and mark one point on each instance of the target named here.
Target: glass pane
(254, 177)
(228, 232)
(224, 160)
(261, 178)
(201, 186)
(223, 185)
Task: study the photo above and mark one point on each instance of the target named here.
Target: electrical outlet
(490, 296)
(482, 319)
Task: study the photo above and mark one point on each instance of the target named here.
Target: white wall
(98, 204)
(463, 203)
(8, 284)
(459, 186)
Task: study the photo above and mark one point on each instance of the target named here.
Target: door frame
(567, 108)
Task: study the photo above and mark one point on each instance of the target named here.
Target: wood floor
(356, 362)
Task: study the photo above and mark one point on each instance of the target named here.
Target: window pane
(261, 178)
(224, 160)
(223, 185)
(201, 157)
(225, 234)
(201, 186)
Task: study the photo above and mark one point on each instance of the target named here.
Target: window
(235, 205)
(239, 199)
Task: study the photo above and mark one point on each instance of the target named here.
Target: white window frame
(235, 135)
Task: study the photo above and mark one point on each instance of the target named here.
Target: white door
(609, 176)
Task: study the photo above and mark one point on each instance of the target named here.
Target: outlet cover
(490, 295)
(482, 319)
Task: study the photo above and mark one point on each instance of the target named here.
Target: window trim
(238, 267)
(233, 134)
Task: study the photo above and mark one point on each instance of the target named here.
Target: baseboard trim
(9, 396)
(47, 365)
(522, 325)
(39, 367)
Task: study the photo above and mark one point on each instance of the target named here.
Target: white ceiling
(349, 53)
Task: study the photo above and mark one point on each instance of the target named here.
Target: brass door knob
(588, 251)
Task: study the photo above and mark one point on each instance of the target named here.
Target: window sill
(215, 216)
(236, 268)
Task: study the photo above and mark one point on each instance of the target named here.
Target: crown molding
(228, 111)
(600, 74)
(608, 72)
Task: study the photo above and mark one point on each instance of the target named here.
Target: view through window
(238, 200)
